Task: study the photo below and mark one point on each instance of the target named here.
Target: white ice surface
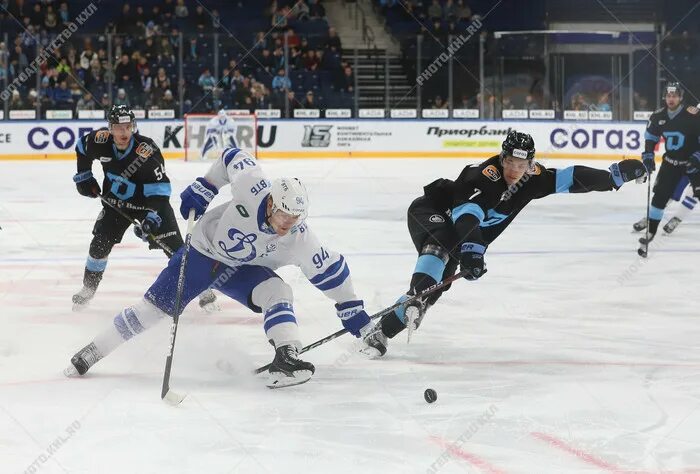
(570, 355)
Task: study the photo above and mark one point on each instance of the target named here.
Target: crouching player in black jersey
(134, 182)
(454, 222)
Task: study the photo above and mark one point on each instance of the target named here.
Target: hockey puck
(430, 395)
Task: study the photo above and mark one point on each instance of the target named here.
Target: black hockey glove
(472, 259)
(87, 185)
(626, 170)
(648, 159)
(149, 225)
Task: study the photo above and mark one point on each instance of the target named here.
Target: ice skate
(287, 369)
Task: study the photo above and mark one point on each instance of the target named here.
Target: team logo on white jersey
(243, 249)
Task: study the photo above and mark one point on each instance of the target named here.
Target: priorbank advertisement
(344, 138)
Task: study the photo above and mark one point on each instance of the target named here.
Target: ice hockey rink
(571, 355)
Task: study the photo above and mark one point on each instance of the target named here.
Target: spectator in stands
(296, 59)
(603, 104)
(293, 104)
(507, 103)
(435, 11)
(150, 50)
(279, 19)
(316, 10)
(16, 102)
(530, 103)
(578, 102)
(94, 75)
(466, 103)
(122, 98)
(146, 83)
(200, 17)
(86, 103)
(75, 92)
(167, 102)
(64, 14)
(206, 81)
(125, 72)
(260, 42)
(438, 103)
(62, 96)
(301, 10)
(46, 93)
(464, 13)
(490, 111)
(450, 10)
(36, 17)
(278, 58)
(309, 102)
(125, 20)
(333, 42)
(347, 80)
(181, 11)
(63, 69)
(33, 101)
(50, 19)
(265, 59)
(166, 52)
(311, 61)
(242, 91)
(104, 103)
(260, 96)
(281, 81)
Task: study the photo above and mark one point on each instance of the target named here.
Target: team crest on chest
(492, 173)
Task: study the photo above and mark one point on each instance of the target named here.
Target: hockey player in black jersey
(680, 127)
(454, 222)
(135, 182)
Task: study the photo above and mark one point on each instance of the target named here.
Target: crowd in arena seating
(238, 69)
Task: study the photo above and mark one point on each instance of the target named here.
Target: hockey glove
(472, 259)
(149, 225)
(625, 171)
(353, 316)
(197, 196)
(648, 160)
(86, 184)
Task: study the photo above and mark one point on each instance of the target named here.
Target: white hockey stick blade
(173, 399)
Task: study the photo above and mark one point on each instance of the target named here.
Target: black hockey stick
(391, 308)
(643, 250)
(126, 216)
(166, 394)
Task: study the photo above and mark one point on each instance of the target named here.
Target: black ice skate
(375, 342)
(672, 224)
(640, 225)
(287, 369)
(82, 298)
(207, 301)
(83, 360)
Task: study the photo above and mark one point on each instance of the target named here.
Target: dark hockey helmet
(121, 114)
(518, 145)
(672, 87)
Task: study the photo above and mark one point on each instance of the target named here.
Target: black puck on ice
(430, 395)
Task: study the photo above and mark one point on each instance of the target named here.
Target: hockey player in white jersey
(236, 248)
(220, 134)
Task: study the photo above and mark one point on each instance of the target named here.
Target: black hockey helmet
(674, 87)
(518, 145)
(121, 114)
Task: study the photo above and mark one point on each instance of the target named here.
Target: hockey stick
(391, 308)
(166, 394)
(133, 221)
(645, 252)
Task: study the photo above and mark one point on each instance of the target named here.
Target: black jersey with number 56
(136, 175)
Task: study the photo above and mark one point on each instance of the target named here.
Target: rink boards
(363, 138)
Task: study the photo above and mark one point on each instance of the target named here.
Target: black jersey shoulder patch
(491, 172)
(101, 136)
(692, 109)
(535, 169)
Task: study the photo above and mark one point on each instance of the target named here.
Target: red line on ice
(469, 457)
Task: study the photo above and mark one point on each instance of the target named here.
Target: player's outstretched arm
(583, 179)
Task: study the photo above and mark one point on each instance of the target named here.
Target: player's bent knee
(436, 250)
(137, 318)
(271, 292)
(100, 247)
